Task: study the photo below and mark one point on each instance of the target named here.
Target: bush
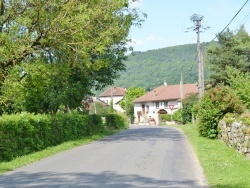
(188, 105)
(25, 133)
(214, 105)
(116, 121)
(177, 116)
(165, 117)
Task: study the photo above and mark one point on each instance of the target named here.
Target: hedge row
(115, 121)
(27, 133)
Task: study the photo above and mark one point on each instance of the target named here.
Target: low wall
(236, 135)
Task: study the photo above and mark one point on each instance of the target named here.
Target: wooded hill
(151, 68)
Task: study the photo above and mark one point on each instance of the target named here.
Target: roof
(169, 92)
(117, 91)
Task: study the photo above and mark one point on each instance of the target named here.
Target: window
(165, 104)
(157, 105)
(147, 109)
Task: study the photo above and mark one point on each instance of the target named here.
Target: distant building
(162, 100)
(115, 93)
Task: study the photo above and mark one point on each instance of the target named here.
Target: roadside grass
(223, 166)
(27, 159)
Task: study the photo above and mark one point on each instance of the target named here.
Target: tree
(214, 105)
(43, 89)
(188, 104)
(231, 50)
(88, 37)
(99, 108)
(127, 103)
(239, 82)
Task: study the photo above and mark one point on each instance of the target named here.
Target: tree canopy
(130, 95)
(87, 38)
(231, 50)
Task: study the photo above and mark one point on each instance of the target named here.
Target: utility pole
(197, 23)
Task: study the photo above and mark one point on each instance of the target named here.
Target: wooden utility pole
(197, 22)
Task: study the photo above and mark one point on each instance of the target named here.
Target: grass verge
(27, 159)
(223, 166)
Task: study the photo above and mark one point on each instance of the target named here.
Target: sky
(168, 20)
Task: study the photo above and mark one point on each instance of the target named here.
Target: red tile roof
(169, 92)
(117, 91)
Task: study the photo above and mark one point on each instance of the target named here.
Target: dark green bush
(216, 103)
(116, 121)
(177, 116)
(25, 133)
(165, 117)
(188, 104)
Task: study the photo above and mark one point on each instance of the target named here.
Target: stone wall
(236, 135)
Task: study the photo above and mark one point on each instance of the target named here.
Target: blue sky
(168, 20)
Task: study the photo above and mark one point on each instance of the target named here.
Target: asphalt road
(143, 156)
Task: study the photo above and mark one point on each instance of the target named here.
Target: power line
(243, 21)
(230, 21)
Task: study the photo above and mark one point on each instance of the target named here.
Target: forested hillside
(151, 68)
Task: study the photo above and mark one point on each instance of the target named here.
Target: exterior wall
(116, 99)
(151, 110)
(236, 135)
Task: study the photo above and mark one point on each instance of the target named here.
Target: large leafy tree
(87, 37)
(43, 91)
(130, 95)
(231, 50)
(239, 82)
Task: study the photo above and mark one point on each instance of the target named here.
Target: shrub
(165, 117)
(177, 116)
(116, 121)
(214, 105)
(188, 104)
(25, 133)
(245, 118)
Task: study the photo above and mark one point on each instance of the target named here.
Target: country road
(142, 156)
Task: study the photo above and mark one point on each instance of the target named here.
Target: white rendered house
(116, 94)
(164, 99)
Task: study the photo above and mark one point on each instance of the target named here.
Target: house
(115, 93)
(162, 100)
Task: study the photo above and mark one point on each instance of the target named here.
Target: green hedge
(116, 121)
(165, 117)
(25, 133)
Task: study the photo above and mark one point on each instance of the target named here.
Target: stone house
(165, 99)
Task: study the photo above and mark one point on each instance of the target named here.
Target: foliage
(214, 105)
(245, 118)
(98, 108)
(231, 50)
(130, 95)
(151, 68)
(111, 107)
(116, 121)
(239, 82)
(25, 133)
(89, 38)
(165, 117)
(187, 106)
(177, 115)
(44, 88)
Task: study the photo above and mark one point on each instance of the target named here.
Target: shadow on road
(149, 133)
(86, 180)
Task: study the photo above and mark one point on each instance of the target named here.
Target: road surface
(143, 156)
